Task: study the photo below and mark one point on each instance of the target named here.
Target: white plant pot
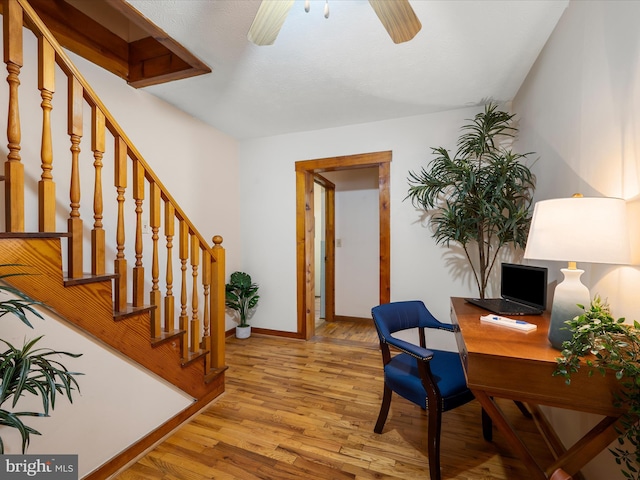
(243, 332)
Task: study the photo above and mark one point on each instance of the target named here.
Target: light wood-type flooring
(306, 410)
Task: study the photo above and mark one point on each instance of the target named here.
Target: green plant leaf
(241, 295)
(614, 346)
(479, 198)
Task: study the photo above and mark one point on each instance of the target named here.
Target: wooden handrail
(201, 315)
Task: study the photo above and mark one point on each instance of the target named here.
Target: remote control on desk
(509, 323)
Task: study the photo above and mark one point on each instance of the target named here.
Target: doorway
(324, 260)
(307, 173)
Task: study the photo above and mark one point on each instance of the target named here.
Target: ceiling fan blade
(398, 19)
(269, 20)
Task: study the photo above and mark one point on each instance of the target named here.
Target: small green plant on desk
(28, 370)
(612, 346)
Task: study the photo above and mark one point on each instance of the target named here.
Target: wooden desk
(506, 363)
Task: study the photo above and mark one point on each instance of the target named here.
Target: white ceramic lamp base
(568, 294)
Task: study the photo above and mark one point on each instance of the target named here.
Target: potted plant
(481, 197)
(613, 347)
(241, 295)
(29, 370)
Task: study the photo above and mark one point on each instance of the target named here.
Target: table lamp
(576, 229)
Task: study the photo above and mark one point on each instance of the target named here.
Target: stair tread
(88, 278)
(193, 356)
(34, 234)
(131, 310)
(166, 336)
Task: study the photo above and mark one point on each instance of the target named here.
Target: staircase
(128, 267)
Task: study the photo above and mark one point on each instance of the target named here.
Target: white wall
(580, 111)
(357, 252)
(419, 268)
(119, 402)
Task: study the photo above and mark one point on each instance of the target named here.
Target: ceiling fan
(397, 17)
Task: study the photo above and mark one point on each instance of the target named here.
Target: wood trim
(84, 36)
(157, 60)
(305, 171)
(152, 60)
(331, 164)
(267, 332)
(384, 176)
(329, 255)
(346, 318)
(301, 208)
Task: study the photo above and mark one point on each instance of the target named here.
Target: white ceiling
(343, 70)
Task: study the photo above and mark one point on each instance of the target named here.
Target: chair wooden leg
(487, 426)
(384, 410)
(433, 440)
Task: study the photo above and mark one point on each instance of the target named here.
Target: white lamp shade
(579, 229)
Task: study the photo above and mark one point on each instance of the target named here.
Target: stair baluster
(120, 264)
(194, 331)
(74, 224)
(206, 315)
(184, 316)
(155, 296)
(98, 242)
(13, 167)
(46, 186)
(138, 269)
(169, 299)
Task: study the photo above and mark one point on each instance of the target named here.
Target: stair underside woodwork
(89, 306)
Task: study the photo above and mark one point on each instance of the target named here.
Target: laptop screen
(525, 284)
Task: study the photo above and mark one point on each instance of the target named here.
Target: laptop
(523, 291)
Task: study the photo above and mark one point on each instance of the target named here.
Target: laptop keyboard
(509, 308)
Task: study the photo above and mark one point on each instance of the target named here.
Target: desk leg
(596, 440)
(508, 431)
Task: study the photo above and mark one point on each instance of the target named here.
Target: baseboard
(344, 318)
(269, 332)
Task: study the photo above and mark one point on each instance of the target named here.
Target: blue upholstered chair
(432, 379)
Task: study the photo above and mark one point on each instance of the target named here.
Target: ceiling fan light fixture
(268, 21)
(397, 17)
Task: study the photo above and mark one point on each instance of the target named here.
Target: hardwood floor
(306, 410)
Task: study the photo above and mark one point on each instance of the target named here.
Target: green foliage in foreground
(609, 346)
(29, 370)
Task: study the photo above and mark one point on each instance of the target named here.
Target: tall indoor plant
(481, 197)
(242, 296)
(609, 346)
(27, 369)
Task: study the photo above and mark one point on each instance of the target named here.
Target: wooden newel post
(218, 279)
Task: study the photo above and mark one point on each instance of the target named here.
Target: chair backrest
(395, 316)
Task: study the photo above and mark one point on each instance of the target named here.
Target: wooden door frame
(306, 170)
(330, 247)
